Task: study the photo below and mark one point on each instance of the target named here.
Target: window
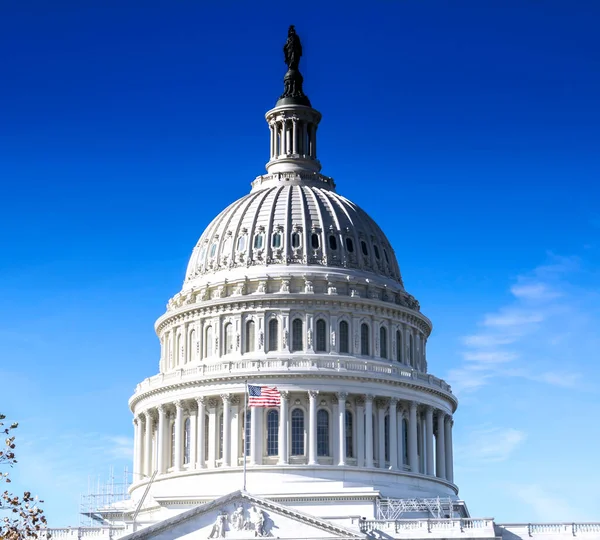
(297, 432)
(277, 240)
(314, 240)
(258, 241)
(349, 245)
(186, 441)
(228, 338)
(321, 336)
(213, 249)
(398, 346)
(297, 344)
(247, 431)
(322, 433)
(241, 244)
(173, 444)
(387, 259)
(344, 337)
(376, 250)
(227, 245)
(273, 432)
(273, 335)
(364, 248)
(349, 434)
(386, 437)
(193, 353)
(295, 240)
(332, 242)
(383, 342)
(208, 342)
(250, 336)
(202, 253)
(364, 339)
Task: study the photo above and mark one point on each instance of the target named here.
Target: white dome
(292, 220)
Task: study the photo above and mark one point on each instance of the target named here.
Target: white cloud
(534, 291)
(545, 505)
(490, 445)
(512, 318)
(491, 357)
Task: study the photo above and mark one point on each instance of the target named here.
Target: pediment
(240, 515)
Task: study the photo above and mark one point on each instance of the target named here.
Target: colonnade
(310, 427)
(293, 137)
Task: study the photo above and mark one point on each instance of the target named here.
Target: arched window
(241, 243)
(172, 460)
(364, 339)
(258, 241)
(411, 350)
(344, 337)
(314, 241)
(250, 336)
(228, 331)
(297, 432)
(376, 250)
(321, 336)
(208, 342)
(295, 240)
(349, 245)
(192, 351)
(322, 433)
(398, 346)
(276, 240)
(364, 248)
(273, 432)
(383, 342)
(273, 335)
(386, 437)
(186, 441)
(297, 338)
(349, 434)
(332, 242)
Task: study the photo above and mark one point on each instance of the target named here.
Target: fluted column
(342, 426)
(253, 436)
(440, 462)
(226, 430)
(212, 433)
(283, 428)
(178, 435)
(413, 458)
(160, 440)
(381, 405)
(294, 136)
(429, 441)
(312, 426)
(369, 431)
(393, 434)
(448, 450)
(148, 444)
(200, 448)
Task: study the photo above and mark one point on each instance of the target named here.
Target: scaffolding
(100, 496)
(392, 509)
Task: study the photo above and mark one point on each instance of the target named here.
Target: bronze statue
(292, 49)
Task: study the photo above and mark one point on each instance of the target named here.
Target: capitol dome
(295, 290)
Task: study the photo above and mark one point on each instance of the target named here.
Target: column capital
(413, 405)
(342, 395)
(161, 409)
(285, 395)
(200, 400)
(448, 419)
(148, 415)
(135, 421)
(393, 402)
(226, 398)
(381, 403)
(429, 410)
(179, 405)
(312, 394)
(369, 398)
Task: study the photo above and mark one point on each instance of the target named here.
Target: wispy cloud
(529, 336)
(489, 445)
(545, 505)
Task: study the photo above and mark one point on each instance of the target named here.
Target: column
(393, 434)
(413, 459)
(272, 131)
(359, 429)
(381, 404)
(312, 426)
(440, 465)
(160, 440)
(342, 426)
(283, 428)
(226, 430)
(429, 441)
(369, 431)
(148, 445)
(193, 438)
(448, 450)
(178, 435)
(294, 136)
(254, 435)
(200, 448)
(212, 433)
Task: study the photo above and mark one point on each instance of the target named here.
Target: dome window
(364, 248)
(333, 242)
(387, 259)
(349, 245)
(314, 240)
(213, 249)
(295, 240)
(277, 240)
(241, 244)
(258, 241)
(376, 249)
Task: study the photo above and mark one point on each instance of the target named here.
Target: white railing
(430, 528)
(294, 364)
(73, 533)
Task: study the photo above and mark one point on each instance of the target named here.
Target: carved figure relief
(220, 526)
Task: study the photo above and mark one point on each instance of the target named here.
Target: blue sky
(469, 130)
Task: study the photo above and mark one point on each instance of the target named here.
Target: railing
(432, 528)
(71, 533)
(561, 528)
(284, 364)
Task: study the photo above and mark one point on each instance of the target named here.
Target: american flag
(263, 396)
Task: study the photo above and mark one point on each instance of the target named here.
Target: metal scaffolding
(392, 509)
(101, 495)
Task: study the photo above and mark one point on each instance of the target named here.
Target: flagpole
(245, 430)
